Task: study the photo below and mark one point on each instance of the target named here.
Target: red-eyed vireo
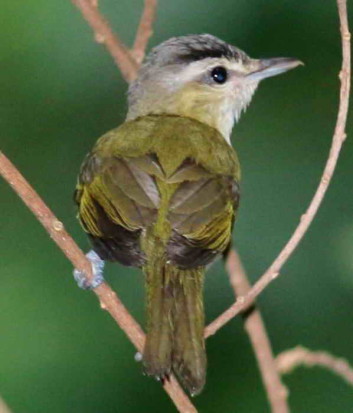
(161, 191)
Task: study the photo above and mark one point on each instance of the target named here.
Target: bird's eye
(219, 74)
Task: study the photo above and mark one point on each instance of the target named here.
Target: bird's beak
(263, 68)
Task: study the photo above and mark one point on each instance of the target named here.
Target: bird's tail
(175, 326)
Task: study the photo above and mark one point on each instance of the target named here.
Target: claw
(97, 269)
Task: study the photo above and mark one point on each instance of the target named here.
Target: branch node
(275, 275)
(57, 225)
(326, 178)
(346, 36)
(102, 304)
(303, 217)
(99, 38)
(240, 300)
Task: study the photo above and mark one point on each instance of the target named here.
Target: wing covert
(201, 213)
(150, 170)
(117, 199)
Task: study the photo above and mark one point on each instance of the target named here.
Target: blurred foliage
(59, 92)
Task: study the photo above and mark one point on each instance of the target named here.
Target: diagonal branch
(255, 327)
(145, 30)
(337, 142)
(104, 34)
(291, 359)
(4, 408)
(128, 61)
(107, 297)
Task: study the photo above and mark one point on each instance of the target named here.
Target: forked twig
(107, 297)
(275, 390)
(337, 141)
(104, 34)
(291, 359)
(128, 61)
(144, 31)
(128, 66)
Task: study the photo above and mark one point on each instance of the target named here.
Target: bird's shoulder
(132, 169)
(172, 140)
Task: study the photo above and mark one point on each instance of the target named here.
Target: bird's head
(201, 77)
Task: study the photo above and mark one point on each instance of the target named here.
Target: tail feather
(189, 356)
(175, 325)
(158, 347)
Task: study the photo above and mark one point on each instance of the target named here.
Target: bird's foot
(97, 271)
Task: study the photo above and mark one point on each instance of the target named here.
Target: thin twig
(255, 327)
(291, 359)
(107, 297)
(145, 30)
(4, 408)
(337, 141)
(275, 389)
(104, 34)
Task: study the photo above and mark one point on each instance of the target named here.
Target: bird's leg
(97, 270)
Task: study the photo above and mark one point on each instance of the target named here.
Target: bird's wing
(119, 196)
(201, 212)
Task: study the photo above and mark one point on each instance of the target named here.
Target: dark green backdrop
(59, 91)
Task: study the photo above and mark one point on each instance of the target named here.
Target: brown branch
(144, 31)
(127, 61)
(337, 141)
(107, 297)
(291, 359)
(104, 34)
(4, 408)
(255, 327)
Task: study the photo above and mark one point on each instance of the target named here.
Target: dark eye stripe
(219, 74)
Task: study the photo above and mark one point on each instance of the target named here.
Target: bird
(161, 191)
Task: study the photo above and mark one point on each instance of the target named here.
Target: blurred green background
(59, 92)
